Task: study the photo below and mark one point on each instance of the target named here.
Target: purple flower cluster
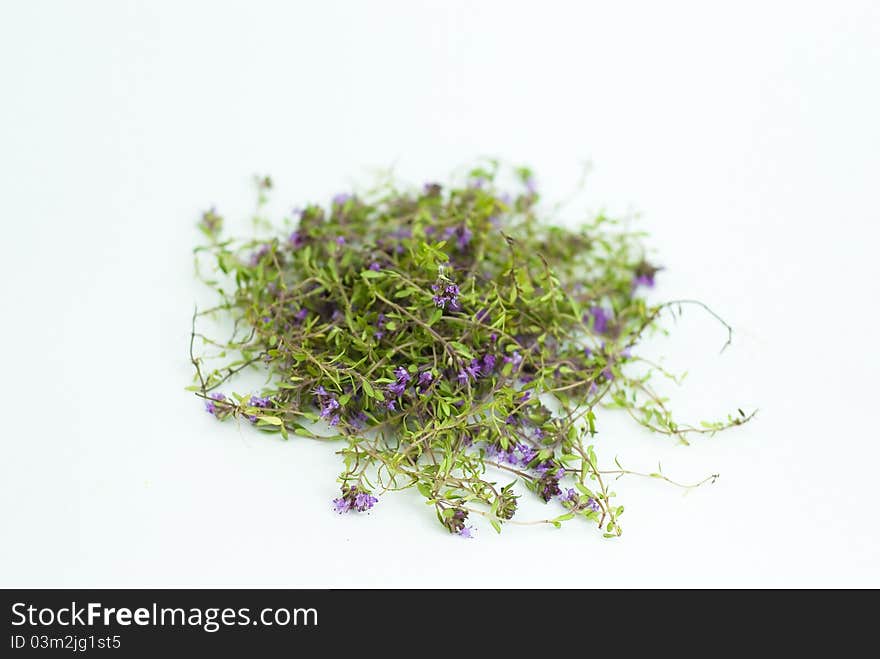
(476, 368)
(328, 404)
(296, 239)
(599, 318)
(263, 402)
(354, 499)
(425, 379)
(519, 455)
(399, 386)
(644, 275)
(573, 499)
(547, 466)
(446, 296)
(514, 358)
(461, 234)
(359, 420)
(211, 406)
(341, 199)
(548, 487)
(456, 524)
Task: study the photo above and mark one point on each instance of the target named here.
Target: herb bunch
(448, 338)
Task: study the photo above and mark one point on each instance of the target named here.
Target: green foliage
(447, 338)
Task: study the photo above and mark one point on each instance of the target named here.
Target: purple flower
(464, 237)
(531, 186)
(527, 453)
(482, 315)
(261, 402)
(257, 401)
(340, 240)
(403, 377)
(473, 369)
(526, 395)
(448, 297)
(644, 275)
(608, 374)
(469, 372)
(514, 358)
(466, 532)
(549, 487)
(328, 404)
(643, 280)
(593, 505)
(341, 198)
(396, 388)
(477, 183)
(587, 352)
(296, 239)
(210, 405)
(359, 420)
(425, 379)
(374, 266)
(488, 363)
(301, 315)
(600, 319)
(391, 405)
(328, 407)
(257, 256)
(570, 496)
(354, 499)
(363, 501)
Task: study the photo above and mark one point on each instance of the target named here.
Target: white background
(745, 134)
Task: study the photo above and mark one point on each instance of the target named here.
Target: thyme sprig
(449, 339)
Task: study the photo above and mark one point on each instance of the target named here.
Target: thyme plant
(447, 338)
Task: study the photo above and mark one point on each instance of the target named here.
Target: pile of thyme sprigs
(448, 337)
